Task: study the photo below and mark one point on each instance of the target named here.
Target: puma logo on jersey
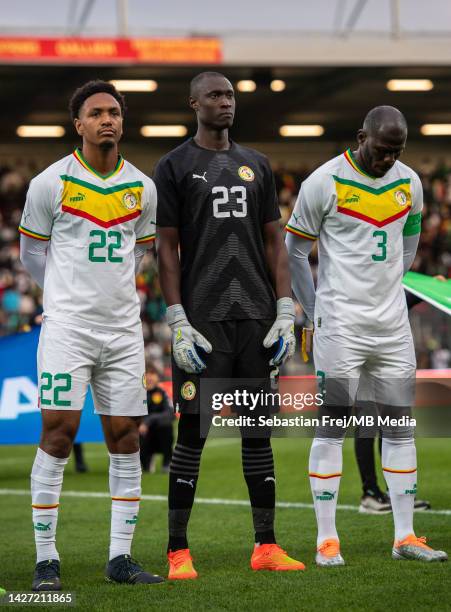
(78, 198)
(190, 483)
(200, 176)
(296, 217)
(353, 199)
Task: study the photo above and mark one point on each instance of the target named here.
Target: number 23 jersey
(219, 201)
(92, 223)
(360, 222)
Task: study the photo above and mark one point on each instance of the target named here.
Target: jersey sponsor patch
(246, 173)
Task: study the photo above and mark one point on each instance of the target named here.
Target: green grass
(221, 538)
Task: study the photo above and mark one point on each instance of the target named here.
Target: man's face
(215, 103)
(100, 120)
(380, 151)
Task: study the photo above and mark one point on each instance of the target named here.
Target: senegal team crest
(401, 197)
(129, 200)
(246, 173)
(188, 390)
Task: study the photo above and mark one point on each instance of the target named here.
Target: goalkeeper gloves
(184, 341)
(282, 332)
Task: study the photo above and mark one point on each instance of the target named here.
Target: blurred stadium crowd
(20, 298)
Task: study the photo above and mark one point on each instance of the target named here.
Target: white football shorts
(382, 366)
(71, 358)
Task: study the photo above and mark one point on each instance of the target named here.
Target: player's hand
(307, 341)
(282, 332)
(184, 341)
(143, 429)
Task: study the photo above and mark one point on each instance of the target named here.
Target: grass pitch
(221, 538)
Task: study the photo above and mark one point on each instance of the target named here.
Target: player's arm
(412, 227)
(301, 273)
(33, 256)
(282, 331)
(169, 264)
(302, 230)
(36, 228)
(184, 336)
(145, 228)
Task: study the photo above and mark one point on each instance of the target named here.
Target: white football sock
(399, 463)
(46, 483)
(325, 466)
(125, 489)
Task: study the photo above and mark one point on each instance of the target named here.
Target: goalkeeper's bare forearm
(169, 264)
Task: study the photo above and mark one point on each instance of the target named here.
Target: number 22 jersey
(219, 201)
(92, 223)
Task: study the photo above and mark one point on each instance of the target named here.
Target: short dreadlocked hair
(89, 89)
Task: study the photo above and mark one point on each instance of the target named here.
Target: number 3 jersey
(92, 223)
(360, 222)
(219, 201)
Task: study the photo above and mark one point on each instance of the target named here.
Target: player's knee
(57, 440)
(124, 439)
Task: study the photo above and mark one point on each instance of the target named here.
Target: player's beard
(106, 145)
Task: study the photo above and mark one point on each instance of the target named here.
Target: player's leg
(186, 456)
(373, 501)
(338, 362)
(64, 362)
(252, 362)
(183, 476)
(394, 369)
(118, 386)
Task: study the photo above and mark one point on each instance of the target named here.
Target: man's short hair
(197, 80)
(89, 89)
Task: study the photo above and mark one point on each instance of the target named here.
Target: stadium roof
(153, 17)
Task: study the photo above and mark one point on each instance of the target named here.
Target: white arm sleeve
(301, 273)
(33, 255)
(410, 245)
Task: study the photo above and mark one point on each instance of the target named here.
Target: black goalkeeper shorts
(238, 352)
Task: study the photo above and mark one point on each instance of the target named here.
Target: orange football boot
(271, 557)
(181, 565)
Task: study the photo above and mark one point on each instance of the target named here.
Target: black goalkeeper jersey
(219, 201)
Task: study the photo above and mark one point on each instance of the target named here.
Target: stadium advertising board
(20, 419)
(110, 50)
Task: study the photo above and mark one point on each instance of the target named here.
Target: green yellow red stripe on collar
(298, 232)
(352, 160)
(79, 157)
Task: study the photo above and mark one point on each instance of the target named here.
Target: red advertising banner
(110, 50)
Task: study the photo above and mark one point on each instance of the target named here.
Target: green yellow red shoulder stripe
(298, 232)
(32, 234)
(145, 239)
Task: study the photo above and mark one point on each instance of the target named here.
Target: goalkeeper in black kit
(224, 275)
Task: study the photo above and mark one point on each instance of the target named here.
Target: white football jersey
(360, 222)
(92, 223)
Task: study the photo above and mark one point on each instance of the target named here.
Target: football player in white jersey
(87, 222)
(364, 207)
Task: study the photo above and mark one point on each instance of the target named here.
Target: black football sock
(183, 475)
(258, 470)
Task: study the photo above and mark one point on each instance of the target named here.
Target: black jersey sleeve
(271, 203)
(168, 200)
